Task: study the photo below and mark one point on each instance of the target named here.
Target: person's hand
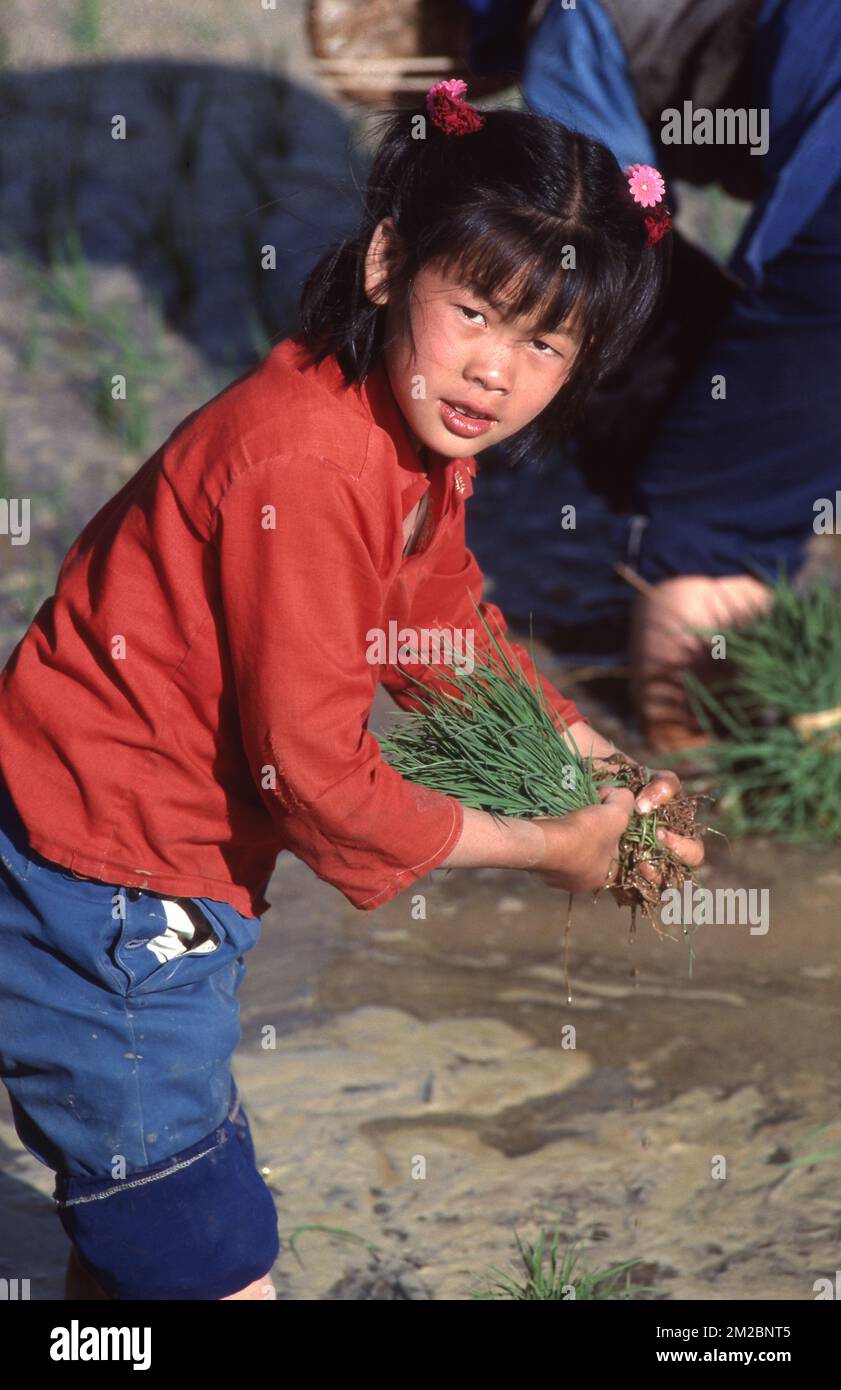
(582, 848)
(661, 648)
(662, 787)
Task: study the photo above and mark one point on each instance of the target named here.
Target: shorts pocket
(163, 943)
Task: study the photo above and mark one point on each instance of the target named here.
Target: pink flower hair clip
(449, 112)
(648, 189)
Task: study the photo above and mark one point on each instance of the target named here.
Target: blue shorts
(118, 1021)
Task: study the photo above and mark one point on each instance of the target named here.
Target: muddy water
(421, 1091)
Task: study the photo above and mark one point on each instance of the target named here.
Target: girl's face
(466, 356)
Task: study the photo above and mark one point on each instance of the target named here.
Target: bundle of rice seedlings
(494, 745)
(775, 717)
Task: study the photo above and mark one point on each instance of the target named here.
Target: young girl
(195, 696)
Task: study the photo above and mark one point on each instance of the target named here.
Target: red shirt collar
(376, 397)
(384, 409)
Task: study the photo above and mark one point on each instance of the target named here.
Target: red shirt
(195, 696)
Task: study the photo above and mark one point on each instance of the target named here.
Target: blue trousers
(731, 484)
(117, 1060)
(751, 443)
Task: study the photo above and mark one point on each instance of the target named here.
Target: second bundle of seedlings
(774, 716)
(494, 744)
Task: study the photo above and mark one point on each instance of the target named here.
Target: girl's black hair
(518, 193)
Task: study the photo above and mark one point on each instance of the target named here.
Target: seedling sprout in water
(494, 744)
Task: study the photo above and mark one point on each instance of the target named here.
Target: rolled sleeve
(443, 601)
(300, 590)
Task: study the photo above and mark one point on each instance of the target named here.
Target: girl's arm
(443, 600)
(299, 600)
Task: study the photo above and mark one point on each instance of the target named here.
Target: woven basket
(387, 53)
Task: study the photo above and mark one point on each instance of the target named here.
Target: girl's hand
(582, 848)
(662, 787)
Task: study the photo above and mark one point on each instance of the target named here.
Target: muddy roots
(639, 845)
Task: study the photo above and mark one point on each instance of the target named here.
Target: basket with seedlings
(774, 717)
(495, 745)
